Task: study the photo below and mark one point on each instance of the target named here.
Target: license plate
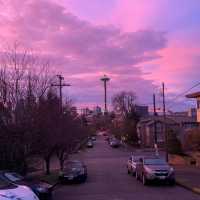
(162, 177)
(70, 177)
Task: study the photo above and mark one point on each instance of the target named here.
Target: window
(198, 103)
(159, 127)
(152, 161)
(136, 158)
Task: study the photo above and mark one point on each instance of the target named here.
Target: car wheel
(84, 178)
(133, 173)
(60, 179)
(136, 176)
(172, 182)
(144, 180)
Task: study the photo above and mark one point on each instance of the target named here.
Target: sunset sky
(138, 43)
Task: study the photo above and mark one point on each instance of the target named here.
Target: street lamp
(105, 79)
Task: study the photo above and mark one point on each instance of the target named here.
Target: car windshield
(153, 161)
(73, 165)
(136, 159)
(14, 177)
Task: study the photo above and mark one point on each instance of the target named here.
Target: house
(146, 130)
(196, 96)
(142, 111)
(179, 123)
(192, 112)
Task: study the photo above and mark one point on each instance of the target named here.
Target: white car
(131, 164)
(10, 191)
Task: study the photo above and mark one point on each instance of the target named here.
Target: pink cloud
(82, 50)
(178, 64)
(132, 15)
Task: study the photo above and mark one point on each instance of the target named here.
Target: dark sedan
(93, 138)
(114, 143)
(154, 169)
(74, 171)
(90, 144)
(42, 189)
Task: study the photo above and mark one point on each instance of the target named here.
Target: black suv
(74, 171)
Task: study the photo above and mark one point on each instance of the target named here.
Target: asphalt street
(108, 179)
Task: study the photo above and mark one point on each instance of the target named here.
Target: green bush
(173, 143)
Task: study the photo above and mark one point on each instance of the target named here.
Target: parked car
(42, 189)
(93, 138)
(114, 143)
(154, 169)
(10, 191)
(90, 144)
(74, 171)
(105, 133)
(106, 138)
(131, 164)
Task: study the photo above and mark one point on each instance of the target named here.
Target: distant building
(143, 111)
(196, 96)
(97, 110)
(191, 113)
(182, 114)
(86, 111)
(74, 111)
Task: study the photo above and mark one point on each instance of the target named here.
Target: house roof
(193, 95)
(182, 119)
(160, 119)
(170, 120)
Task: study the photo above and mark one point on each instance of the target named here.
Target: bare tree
(124, 106)
(124, 103)
(30, 119)
(24, 78)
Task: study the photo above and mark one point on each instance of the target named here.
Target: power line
(183, 93)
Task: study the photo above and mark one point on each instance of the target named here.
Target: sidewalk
(188, 177)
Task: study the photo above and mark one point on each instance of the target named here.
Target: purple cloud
(78, 47)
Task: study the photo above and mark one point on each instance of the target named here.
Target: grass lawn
(51, 178)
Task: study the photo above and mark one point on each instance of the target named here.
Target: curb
(193, 189)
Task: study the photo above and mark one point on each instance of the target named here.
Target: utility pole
(105, 79)
(4, 91)
(164, 117)
(60, 85)
(155, 125)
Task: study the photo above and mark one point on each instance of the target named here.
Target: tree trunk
(61, 162)
(61, 157)
(47, 165)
